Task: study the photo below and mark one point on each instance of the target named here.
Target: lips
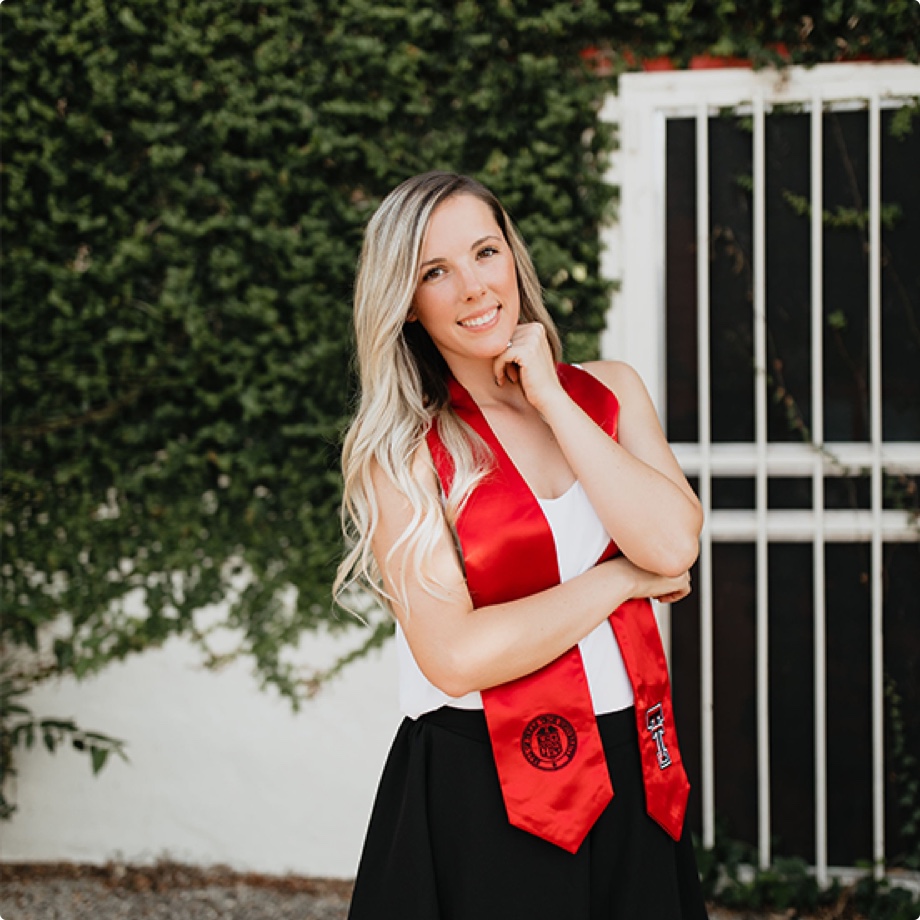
(481, 319)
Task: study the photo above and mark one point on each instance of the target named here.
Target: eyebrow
(479, 242)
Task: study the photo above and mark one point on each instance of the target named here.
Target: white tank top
(580, 539)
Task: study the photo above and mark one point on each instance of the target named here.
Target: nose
(471, 283)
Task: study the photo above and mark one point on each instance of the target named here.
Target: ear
(412, 316)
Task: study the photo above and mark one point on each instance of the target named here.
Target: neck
(478, 379)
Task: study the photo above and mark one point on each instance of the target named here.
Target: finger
(506, 367)
(672, 598)
(524, 348)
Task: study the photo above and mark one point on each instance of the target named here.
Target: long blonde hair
(403, 383)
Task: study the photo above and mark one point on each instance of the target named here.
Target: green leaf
(99, 757)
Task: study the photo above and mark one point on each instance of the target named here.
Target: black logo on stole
(549, 742)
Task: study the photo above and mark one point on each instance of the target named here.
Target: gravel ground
(164, 892)
(65, 891)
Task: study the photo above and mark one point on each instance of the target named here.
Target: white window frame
(634, 256)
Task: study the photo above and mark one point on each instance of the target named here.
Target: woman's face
(466, 294)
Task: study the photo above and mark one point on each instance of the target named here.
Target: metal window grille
(634, 255)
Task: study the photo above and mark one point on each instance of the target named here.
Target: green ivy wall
(184, 191)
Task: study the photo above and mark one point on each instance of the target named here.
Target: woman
(514, 514)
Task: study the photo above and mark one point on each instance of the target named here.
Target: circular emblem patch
(549, 742)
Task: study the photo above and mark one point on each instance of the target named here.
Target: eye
(487, 252)
(432, 273)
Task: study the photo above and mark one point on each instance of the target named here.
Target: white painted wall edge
(220, 772)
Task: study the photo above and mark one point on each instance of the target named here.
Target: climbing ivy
(184, 191)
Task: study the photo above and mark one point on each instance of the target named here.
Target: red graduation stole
(544, 734)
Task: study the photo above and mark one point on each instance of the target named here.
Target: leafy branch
(842, 218)
(20, 728)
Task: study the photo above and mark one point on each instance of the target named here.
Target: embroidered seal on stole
(549, 742)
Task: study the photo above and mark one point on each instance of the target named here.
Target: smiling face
(466, 294)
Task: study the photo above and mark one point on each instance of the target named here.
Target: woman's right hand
(663, 588)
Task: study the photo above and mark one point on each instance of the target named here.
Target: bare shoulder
(638, 425)
(619, 376)
(422, 472)
(393, 514)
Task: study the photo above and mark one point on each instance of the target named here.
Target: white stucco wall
(220, 773)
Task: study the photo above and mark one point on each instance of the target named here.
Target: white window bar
(679, 93)
(704, 436)
(839, 458)
(875, 415)
(760, 435)
(817, 434)
(659, 359)
(798, 527)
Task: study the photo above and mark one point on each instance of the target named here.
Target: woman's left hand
(672, 597)
(528, 361)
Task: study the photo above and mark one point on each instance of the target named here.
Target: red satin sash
(544, 735)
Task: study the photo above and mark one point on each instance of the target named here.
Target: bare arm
(459, 648)
(634, 483)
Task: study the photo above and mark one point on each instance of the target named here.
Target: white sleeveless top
(580, 539)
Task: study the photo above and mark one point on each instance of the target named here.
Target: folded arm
(460, 648)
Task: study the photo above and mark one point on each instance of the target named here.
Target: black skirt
(439, 845)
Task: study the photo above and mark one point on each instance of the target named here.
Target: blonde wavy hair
(403, 385)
